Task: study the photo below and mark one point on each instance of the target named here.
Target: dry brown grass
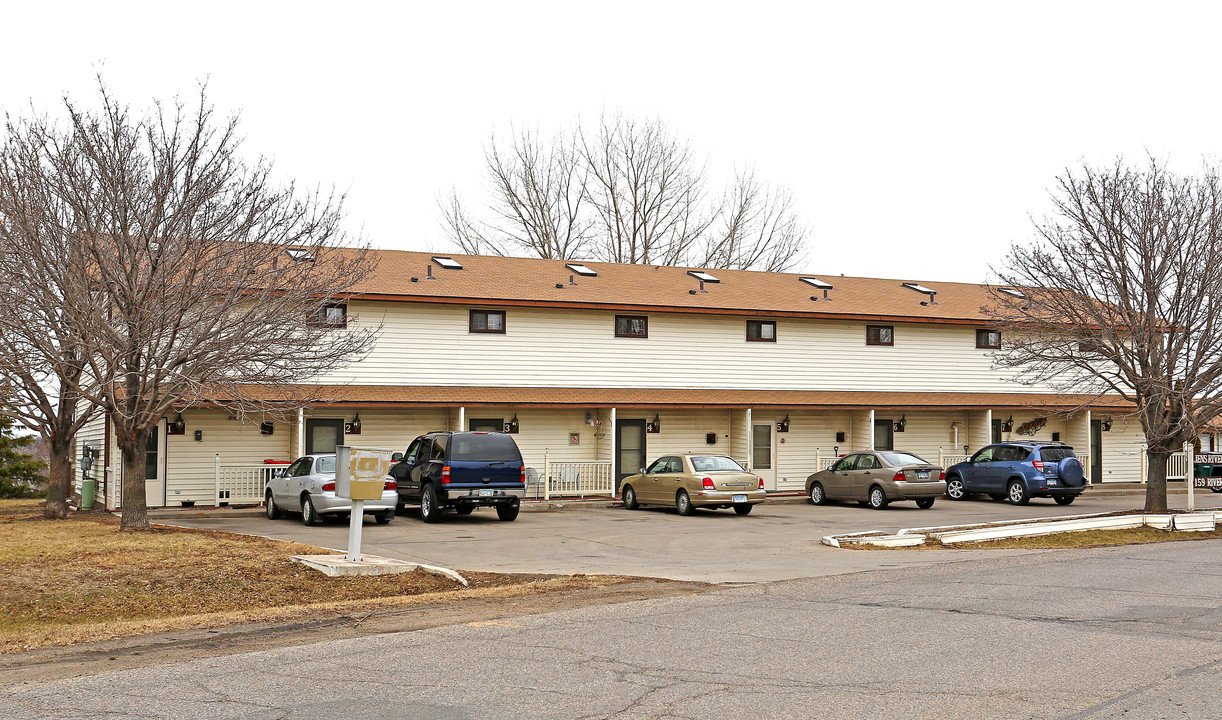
(81, 579)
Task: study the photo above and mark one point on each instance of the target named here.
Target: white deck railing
(577, 479)
(242, 484)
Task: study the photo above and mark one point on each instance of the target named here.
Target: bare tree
(757, 228)
(538, 192)
(1122, 293)
(647, 190)
(220, 287)
(46, 271)
(629, 191)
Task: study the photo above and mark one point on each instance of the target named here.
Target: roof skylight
(448, 263)
(302, 254)
(1012, 292)
(581, 269)
(920, 288)
(816, 282)
(703, 276)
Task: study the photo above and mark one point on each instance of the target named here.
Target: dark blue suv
(1019, 471)
(463, 471)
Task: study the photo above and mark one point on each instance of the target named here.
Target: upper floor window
(331, 315)
(486, 321)
(631, 326)
(761, 330)
(880, 335)
(988, 339)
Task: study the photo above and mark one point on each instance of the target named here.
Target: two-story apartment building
(600, 367)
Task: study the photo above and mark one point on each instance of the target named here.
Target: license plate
(923, 475)
(1052, 482)
(485, 493)
(740, 498)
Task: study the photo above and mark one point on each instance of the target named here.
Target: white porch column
(614, 449)
(300, 433)
(216, 480)
(870, 428)
(750, 442)
(1090, 460)
(988, 428)
(462, 418)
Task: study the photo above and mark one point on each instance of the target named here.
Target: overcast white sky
(917, 138)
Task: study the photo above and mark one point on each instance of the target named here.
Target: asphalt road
(775, 542)
(1127, 632)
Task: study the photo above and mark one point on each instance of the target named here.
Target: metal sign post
(360, 475)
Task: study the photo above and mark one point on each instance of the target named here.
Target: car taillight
(761, 483)
(391, 485)
(708, 484)
(523, 480)
(899, 476)
(445, 474)
(942, 475)
(328, 487)
(1039, 465)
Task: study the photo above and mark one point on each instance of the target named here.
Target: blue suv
(1018, 471)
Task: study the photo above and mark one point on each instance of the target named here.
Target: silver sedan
(308, 487)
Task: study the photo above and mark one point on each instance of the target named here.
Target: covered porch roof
(442, 395)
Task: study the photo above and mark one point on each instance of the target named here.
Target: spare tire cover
(1070, 470)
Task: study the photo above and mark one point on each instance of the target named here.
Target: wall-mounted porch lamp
(900, 424)
(783, 425)
(354, 427)
(1106, 424)
(512, 426)
(1007, 425)
(178, 427)
(655, 425)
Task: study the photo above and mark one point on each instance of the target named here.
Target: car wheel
(430, 507)
(683, 503)
(817, 497)
(925, 503)
(509, 512)
(309, 515)
(878, 498)
(1017, 493)
(273, 512)
(743, 509)
(1065, 499)
(464, 509)
(629, 497)
(954, 488)
(384, 517)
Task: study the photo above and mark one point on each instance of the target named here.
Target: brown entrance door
(1096, 451)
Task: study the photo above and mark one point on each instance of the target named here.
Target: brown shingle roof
(531, 281)
(415, 395)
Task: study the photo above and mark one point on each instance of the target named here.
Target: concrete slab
(340, 566)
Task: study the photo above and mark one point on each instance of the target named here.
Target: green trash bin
(1203, 470)
(88, 491)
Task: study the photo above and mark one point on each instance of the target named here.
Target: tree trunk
(135, 508)
(1156, 481)
(59, 485)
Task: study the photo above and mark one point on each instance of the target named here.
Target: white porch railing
(945, 460)
(242, 484)
(579, 479)
(823, 462)
(1177, 466)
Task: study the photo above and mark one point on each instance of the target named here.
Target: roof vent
(922, 289)
(428, 272)
(572, 280)
(824, 286)
(581, 269)
(448, 263)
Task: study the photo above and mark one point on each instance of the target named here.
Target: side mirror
(396, 457)
(641, 471)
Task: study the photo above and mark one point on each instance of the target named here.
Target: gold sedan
(694, 481)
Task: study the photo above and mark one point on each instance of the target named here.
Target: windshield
(715, 463)
(490, 447)
(325, 465)
(902, 458)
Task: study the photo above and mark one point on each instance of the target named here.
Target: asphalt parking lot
(778, 541)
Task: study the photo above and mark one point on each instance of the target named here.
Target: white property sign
(360, 474)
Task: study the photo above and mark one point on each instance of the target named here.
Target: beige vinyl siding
(388, 429)
(94, 434)
(1122, 447)
(862, 435)
(190, 464)
(683, 431)
(738, 436)
(810, 433)
(428, 344)
(927, 432)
